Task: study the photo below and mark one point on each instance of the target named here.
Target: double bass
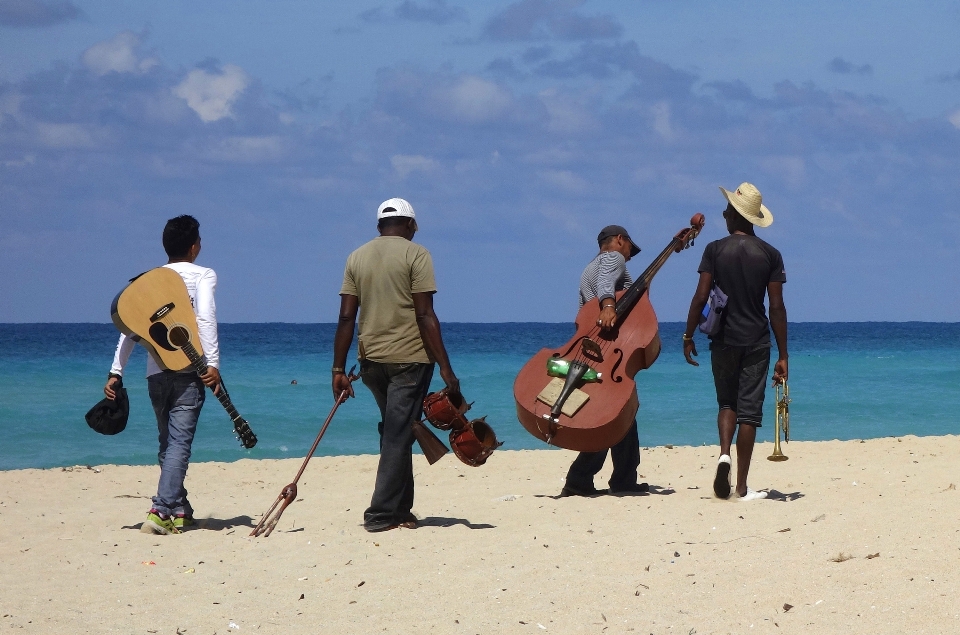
(582, 396)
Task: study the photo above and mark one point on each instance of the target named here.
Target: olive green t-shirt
(384, 274)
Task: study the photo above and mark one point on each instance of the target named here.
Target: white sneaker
(721, 482)
(751, 496)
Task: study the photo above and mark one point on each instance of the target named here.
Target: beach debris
(233, 625)
(669, 447)
(301, 596)
(841, 557)
(149, 563)
(783, 531)
(541, 626)
(787, 607)
(190, 570)
(676, 554)
(507, 497)
(950, 487)
(694, 487)
(362, 582)
(77, 468)
(819, 518)
(871, 556)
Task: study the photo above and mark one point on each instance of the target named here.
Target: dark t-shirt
(742, 266)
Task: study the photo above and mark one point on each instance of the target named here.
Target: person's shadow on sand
(213, 524)
(441, 521)
(784, 498)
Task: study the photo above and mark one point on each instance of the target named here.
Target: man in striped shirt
(604, 276)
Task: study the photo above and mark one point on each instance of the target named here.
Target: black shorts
(740, 376)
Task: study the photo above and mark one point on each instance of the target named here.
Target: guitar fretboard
(240, 426)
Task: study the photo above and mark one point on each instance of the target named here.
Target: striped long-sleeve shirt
(606, 274)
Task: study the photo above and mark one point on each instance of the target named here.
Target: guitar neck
(198, 363)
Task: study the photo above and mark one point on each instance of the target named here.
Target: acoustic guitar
(155, 310)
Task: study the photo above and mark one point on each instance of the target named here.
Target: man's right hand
(340, 383)
(108, 390)
(453, 384)
(780, 371)
(608, 317)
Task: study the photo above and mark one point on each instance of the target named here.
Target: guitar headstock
(686, 236)
(244, 433)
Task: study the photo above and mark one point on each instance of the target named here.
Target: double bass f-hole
(614, 375)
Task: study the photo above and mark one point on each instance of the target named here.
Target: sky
(517, 130)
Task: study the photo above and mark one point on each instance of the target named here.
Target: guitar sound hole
(179, 336)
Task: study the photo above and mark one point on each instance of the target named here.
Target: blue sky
(516, 129)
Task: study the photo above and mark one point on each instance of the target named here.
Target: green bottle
(557, 367)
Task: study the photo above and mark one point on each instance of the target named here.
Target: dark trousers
(399, 390)
(626, 459)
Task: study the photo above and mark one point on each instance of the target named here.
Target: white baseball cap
(395, 207)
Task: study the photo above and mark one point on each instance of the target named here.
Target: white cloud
(405, 164)
(473, 99)
(64, 135)
(661, 120)
(250, 149)
(955, 119)
(564, 180)
(567, 115)
(119, 54)
(212, 95)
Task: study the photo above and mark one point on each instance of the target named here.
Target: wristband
(687, 338)
(337, 371)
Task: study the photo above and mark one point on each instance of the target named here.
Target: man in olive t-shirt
(390, 282)
(746, 269)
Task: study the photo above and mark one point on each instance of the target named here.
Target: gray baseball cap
(617, 230)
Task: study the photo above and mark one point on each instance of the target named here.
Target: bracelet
(687, 338)
(337, 371)
(607, 306)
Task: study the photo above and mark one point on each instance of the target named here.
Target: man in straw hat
(744, 268)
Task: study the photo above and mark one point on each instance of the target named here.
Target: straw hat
(748, 201)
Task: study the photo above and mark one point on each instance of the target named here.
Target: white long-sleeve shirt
(201, 285)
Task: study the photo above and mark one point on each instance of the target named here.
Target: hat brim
(634, 250)
(764, 220)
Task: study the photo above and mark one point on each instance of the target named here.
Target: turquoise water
(848, 381)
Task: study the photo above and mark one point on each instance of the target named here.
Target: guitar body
(155, 309)
(134, 309)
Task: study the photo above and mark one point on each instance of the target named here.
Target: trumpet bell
(778, 456)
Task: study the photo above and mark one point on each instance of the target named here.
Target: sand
(857, 537)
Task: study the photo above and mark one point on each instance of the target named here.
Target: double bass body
(633, 345)
(616, 354)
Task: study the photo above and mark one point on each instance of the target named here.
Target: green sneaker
(154, 524)
(184, 522)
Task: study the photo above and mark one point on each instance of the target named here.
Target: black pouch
(110, 416)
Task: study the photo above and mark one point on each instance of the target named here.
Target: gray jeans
(177, 399)
(399, 390)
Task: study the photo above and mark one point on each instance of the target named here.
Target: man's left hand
(211, 379)
(689, 348)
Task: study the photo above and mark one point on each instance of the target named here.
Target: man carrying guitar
(604, 276)
(390, 282)
(177, 397)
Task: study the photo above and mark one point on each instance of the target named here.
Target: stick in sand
(289, 493)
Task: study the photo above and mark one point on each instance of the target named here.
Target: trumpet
(783, 421)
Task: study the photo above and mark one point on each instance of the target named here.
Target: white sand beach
(856, 537)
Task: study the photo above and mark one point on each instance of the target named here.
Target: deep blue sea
(847, 381)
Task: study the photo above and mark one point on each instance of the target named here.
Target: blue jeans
(399, 390)
(177, 399)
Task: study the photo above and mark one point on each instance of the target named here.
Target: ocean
(847, 381)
